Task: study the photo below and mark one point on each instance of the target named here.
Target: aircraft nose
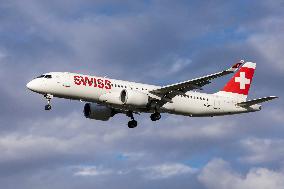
(31, 85)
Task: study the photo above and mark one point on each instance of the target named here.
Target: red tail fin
(239, 84)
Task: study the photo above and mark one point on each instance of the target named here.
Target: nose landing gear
(48, 97)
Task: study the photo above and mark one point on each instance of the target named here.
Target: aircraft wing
(256, 101)
(170, 91)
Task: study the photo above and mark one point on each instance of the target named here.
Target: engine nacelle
(98, 112)
(134, 98)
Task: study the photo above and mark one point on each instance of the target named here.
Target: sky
(149, 41)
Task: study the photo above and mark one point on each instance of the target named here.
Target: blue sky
(153, 41)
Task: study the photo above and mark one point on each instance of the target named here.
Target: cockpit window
(48, 76)
(41, 76)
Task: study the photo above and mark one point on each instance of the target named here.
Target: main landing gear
(48, 97)
(155, 116)
(133, 122)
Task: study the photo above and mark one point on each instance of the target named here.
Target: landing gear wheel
(47, 107)
(48, 98)
(132, 124)
(155, 116)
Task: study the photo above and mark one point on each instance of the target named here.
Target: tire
(155, 116)
(132, 124)
(47, 107)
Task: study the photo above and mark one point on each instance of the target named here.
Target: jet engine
(134, 98)
(98, 112)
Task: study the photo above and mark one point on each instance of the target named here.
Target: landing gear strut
(48, 98)
(133, 122)
(155, 116)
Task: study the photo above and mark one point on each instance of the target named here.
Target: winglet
(236, 66)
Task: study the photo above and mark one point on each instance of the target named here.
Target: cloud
(92, 171)
(276, 114)
(2, 56)
(169, 65)
(19, 147)
(261, 150)
(166, 170)
(217, 174)
(269, 42)
(209, 131)
(180, 64)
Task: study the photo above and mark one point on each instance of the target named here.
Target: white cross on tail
(242, 80)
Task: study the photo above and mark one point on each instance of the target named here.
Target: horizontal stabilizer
(256, 101)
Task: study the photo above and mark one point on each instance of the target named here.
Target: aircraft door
(58, 79)
(217, 104)
(63, 79)
(66, 80)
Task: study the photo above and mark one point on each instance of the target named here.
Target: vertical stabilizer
(239, 85)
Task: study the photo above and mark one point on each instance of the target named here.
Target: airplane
(106, 97)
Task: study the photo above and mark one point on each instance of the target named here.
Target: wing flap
(256, 101)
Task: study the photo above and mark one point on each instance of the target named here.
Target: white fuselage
(65, 85)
